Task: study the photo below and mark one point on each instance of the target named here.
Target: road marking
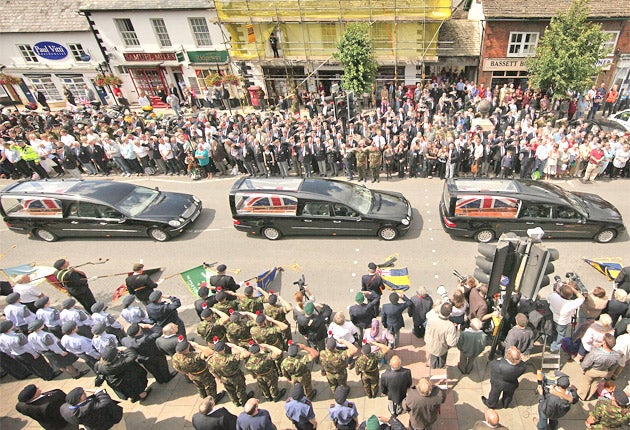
(354, 275)
(355, 262)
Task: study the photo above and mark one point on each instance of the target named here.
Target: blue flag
(264, 280)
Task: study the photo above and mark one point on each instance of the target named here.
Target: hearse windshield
(138, 200)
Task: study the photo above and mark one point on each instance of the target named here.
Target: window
(28, 54)
(75, 84)
(537, 211)
(32, 207)
(46, 86)
(76, 49)
(200, 30)
(160, 31)
(565, 212)
(127, 32)
(344, 211)
(522, 44)
(316, 209)
(611, 43)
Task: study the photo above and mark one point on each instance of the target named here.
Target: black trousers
(495, 393)
(158, 367)
(13, 367)
(38, 366)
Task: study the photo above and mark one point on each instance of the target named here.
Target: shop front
(148, 73)
(499, 71)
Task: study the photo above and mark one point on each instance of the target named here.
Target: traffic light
(536, 270)
(494, 262)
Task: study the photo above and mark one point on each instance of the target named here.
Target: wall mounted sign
(50, 50)
(207, 56)
(150, 56)
(499, 64)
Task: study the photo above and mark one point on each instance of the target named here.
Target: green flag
(197, 277)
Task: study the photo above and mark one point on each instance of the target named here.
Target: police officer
(49, 315)
(162, 313)
(111, 325)
(267, 330)
(75, 282)
(362, 160)
(226, 282)
(149, 355)
(334, 362)
(299, 409)
(16, 345)
(140, 284)
(376, 159)
(297, 369)
(262, 365)
(190, 360)
(212, 327)
(80, 346)
(343, 413)
(18, 313)
(102, 340)
(367, 367)
(226, 366)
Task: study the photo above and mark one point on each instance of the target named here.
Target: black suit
(219, 419)
(361, 315)
(98, 412)
(503, 379)
(394, 384)
(226, 282)
(45, 410)
(141, 286)
(149, 355)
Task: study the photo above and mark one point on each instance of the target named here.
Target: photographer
(563, 305)
(555, 401)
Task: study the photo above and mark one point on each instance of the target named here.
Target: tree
(566, 57)
(355, 51)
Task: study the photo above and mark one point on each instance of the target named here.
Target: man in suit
(43, 407)
(504, 374)
(211, 417)
(392, 318)
(140, 284)
(97, 411)
(226, 282)
(394, 384)
(453, 159)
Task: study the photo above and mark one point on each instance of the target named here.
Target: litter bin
(254, 95)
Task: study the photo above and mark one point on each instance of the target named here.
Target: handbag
(474, 168)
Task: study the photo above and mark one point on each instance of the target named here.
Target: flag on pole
(196, 277)
(395, 278)
(609, 267)
(154, 274)
(265, 279)
(37, 274)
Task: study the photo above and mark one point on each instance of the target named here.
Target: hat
(562, 379)
(41, 302)
(254, 348)
(133, 329)
(331, 343)
(97, 307)
(260, 319)
(341, 394)
(68, 326)
(27, 393)
(366, 349)
(5, 326)
(155, 296)
(206, 313)
(372, 423)
(235, 316)
(219, 346)
(297, 391)
(249, 290)
(35, 325)
(203, 292)
(109, 353)
(68, 303)
(359, 298)
(138, 267)
(372, 266)
(309, 308)
(621, 397)
(292, 351)
(394, 298)
(182, 346)
(74, 396)
(273, 299)
(13, 298)
(221, 268)
(128, 300)
(59, 263)
(221, 295)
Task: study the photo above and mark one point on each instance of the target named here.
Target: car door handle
(337, 222)
(308, 220)
(102, 223)
(559, 223)
(74, 222)
(530, 223)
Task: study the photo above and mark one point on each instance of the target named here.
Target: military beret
(68, 303)
(206, 313)
(221, 268)
(98, 328)
(235, 316)
(621, 397)
(35, 325)
(273, 299)
(359, 298)
(372, 423)
(133, 329)
(74, 396)
(128, 300)
(109, 353)
(68, 326)
(394, 298)
(366, 349)
(249, 290)
(260, 319)
(59, 263)
(27, 393)
(41, 302)
(138, 267)
(13, 298)
(97, 307)
(309, 308)
(331, 343)
(292, 351)
(221, 295)
(372, 266)
(254, 348)
(341, 394)
(5, 326)
(203, 292)
(219, 346)
(182, 346)
(155, 296)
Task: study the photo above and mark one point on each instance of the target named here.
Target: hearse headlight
(196, 199)
(174, 223)
(404, 221)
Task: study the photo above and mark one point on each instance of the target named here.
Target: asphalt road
(332, 266)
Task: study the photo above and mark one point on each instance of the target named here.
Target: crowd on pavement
(246, 328)
(428, 131)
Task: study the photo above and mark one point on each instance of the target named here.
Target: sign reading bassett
(50, 50)
(498, 64)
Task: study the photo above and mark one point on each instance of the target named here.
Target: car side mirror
(359, 218)
(122, 220)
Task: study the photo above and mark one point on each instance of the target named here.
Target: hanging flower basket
(232, 79)
(101, 80)
(8, 79)
(214, 80)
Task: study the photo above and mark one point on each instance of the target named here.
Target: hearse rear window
(265, 204)
(44, 207)
(486, 206)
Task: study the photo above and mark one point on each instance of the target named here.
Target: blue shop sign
(50, 50)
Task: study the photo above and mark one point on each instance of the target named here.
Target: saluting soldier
(362, 161)
(297, 369)
(49, 315)
(262, 365)
(334, 362)
(376, 159)
(238, 328)
(248, 302)
(212, 327)
(367, 364)
(279, 311)
(204, 301)
(190, 360)
(226, 366)
(75, 283)
(225, 302)
(267, 330)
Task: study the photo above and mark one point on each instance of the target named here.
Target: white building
(153, 45)
(47, 45)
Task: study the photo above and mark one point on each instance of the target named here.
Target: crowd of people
(250, 330)
(426, 131)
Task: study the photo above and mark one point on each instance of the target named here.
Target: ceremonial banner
(395, 278)
(265, 279)
(197, 277)
(37, 274)
(609, 267)
(154, 274)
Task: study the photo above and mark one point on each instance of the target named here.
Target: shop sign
(604, 63)
(501, 64)
(50, 50)
(150, 56)
(207, 56)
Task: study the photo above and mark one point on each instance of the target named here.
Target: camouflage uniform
(252, 304)
(209, 329)
(278, 314)
(366, 366)
(335, 363)
(609, 416)
(226, 306)
(269, 334)
(376, 159)
(194, 365)
(227, 368)
(362, 163)
(263, 369)
(238, 332)
(298, 370)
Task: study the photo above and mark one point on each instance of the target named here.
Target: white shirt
(623, 346)
(28, 292)
(345, 332)
(563, 309)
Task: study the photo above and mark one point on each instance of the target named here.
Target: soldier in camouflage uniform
(190, 359)
(297, 369)
(376, 159)
(238, 328)
(267, 330)
(334, 362)
(279, 313)
(225, 302)
(367, 364)
(248, 302)
(262, 365)
(226, 366)
(362, 160)
(212, 326)
(610, 413)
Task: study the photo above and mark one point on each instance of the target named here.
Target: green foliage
(355, 51)
(567, 54)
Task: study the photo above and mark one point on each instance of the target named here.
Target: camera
(459, 276)
(572, 276)
(301, 283)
